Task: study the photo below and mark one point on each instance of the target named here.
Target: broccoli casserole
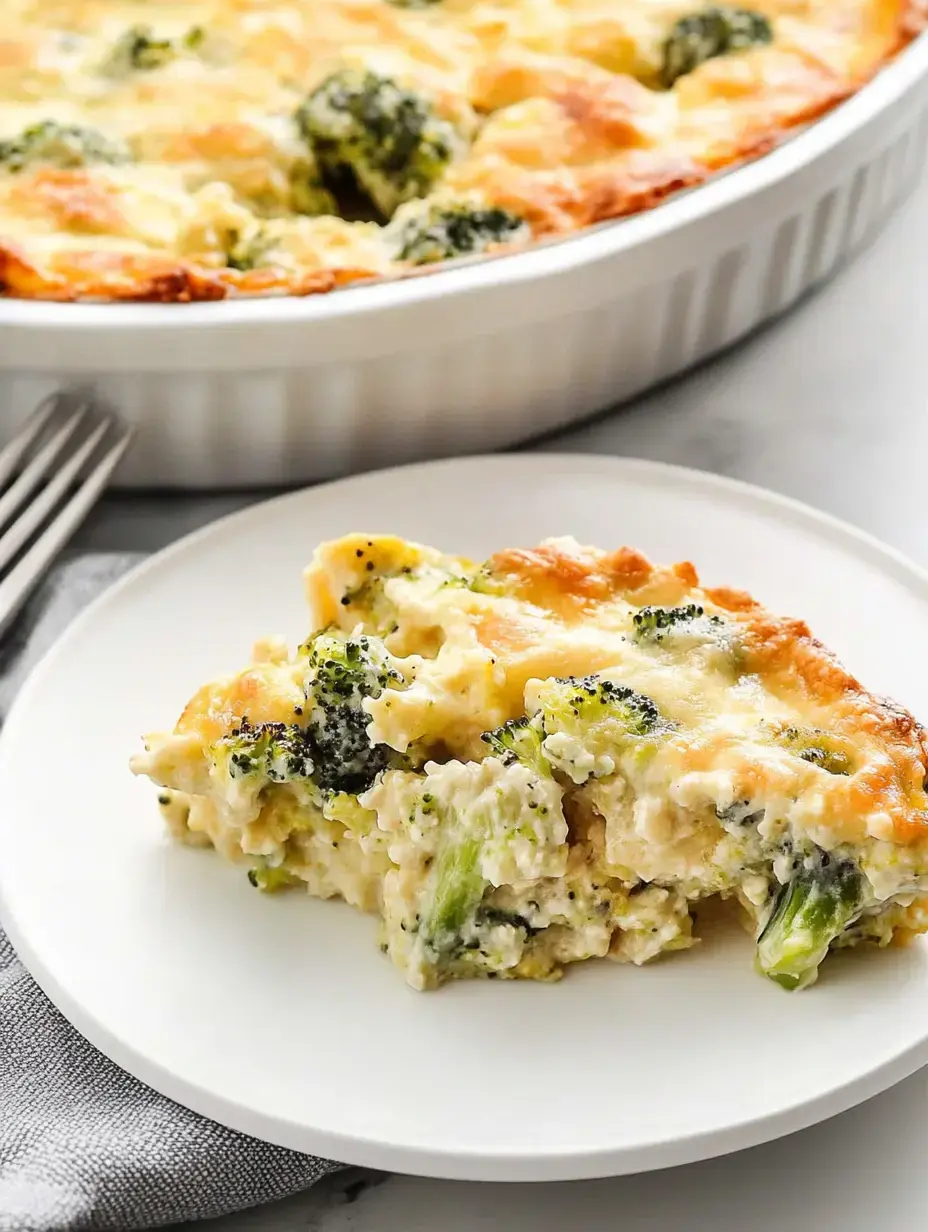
(167, 150)
(553, 756)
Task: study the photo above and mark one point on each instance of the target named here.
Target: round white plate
(280, 1017)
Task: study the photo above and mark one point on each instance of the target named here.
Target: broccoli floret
(740, 814)
(308, 193)
(810, 912)
(818, 748)
(589, 722)
(269, 880)
(715, 31)
(139, 50)
(329, 751)
(493, 917)
(520, 740)
(438, 232)
(594, 700)
(279, 752)
(244, 255)
(60, 145)
(343, 672)
(389, 138)
(653, 623)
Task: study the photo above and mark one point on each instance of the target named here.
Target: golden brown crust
(598, 194)
(101, 275)
(567, 581)
(255, 694)
(590, 145)
(146, 278)
(912, 21)
(570, 583)
(791, 661)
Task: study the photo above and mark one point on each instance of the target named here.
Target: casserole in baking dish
(189, 151)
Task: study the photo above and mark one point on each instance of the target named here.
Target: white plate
(280, 1017)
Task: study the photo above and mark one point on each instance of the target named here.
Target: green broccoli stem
(458, 889)
(811, 911)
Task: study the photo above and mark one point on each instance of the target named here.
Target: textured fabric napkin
(83, 1144)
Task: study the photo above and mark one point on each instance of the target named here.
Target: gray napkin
(83, 1144)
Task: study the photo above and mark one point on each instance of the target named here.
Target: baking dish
(483, 355)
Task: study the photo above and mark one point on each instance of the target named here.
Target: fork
(53, 473)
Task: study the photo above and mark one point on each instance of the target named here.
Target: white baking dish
(472, 358)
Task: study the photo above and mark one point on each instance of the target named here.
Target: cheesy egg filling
(553, 756)
(172, 151)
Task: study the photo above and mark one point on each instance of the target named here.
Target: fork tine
(31, 429)
(17, 492)
(22, 578)
(36, 511)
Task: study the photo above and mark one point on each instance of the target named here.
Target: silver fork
(54, 469)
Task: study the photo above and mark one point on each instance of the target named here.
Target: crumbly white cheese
(726, 780)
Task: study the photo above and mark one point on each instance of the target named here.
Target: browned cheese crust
(565, 119)
(793, 665)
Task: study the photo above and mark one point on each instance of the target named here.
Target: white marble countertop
(830, 405)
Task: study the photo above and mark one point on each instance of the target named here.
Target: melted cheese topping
(685, 744)
(558, 103)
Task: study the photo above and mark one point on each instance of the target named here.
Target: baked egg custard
(555, 755)
(175, 150)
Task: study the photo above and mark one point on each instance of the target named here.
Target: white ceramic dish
(280, 1017)
(489, 353)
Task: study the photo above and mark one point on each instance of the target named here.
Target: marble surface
(829, 406)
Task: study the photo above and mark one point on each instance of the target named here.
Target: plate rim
(552, 1164)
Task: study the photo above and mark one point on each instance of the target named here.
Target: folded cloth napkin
(83, 1144)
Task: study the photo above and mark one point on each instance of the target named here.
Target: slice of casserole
(554, 756)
